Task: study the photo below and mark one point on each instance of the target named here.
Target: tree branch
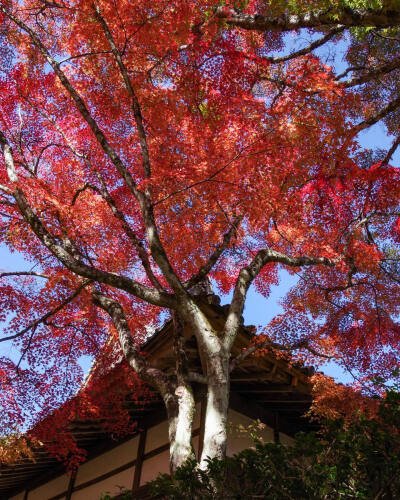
(349, 70)
(372, 73)
(130, 233)
(128, 84)
(131, 351)
(309, 48)
(206, 268)
(5, 189)
(24, 273)
(248, 274)
(391, 151)
(389, 108)
(81, 190)
(301, 344)
(208, 179)
(104, 193)
(348, 17)
(85, 54)
(197, 377)
(63, 255)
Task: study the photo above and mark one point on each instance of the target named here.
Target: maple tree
(148, 147)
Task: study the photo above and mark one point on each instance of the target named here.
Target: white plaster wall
(120, 455)
(154, 466)
(156, 436)
(110, 485)
(50, 489)
(238, 441)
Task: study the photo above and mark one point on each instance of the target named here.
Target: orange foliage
(332, 400)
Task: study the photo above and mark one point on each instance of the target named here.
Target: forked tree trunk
(215, 426)
(181, 408)
(180, 427)
(216, 416)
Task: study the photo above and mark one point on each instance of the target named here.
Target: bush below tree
(359, 460)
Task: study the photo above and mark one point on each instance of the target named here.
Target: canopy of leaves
(124, 115)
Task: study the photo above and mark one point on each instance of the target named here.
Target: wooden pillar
(203, 403)
(26, 494)
(276, 428)
(71, 485)
(139, 460)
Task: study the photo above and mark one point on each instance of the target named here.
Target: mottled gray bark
(380, 18)
(216, 417)
(180, 427)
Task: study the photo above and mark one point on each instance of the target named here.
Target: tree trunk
(215, 425)
(180, 427)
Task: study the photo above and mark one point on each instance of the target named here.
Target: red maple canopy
(147, 145)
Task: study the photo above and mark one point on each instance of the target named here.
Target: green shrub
(360, 460)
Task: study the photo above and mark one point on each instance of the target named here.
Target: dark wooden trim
(36, 482)
(33, 483)
(276, 428)
(97, 479)
(71, 485)
(26, 494)
(149, 421)
(203, 405)
(156, 451)
(107, 445)
(102, 477)
(139, 460)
